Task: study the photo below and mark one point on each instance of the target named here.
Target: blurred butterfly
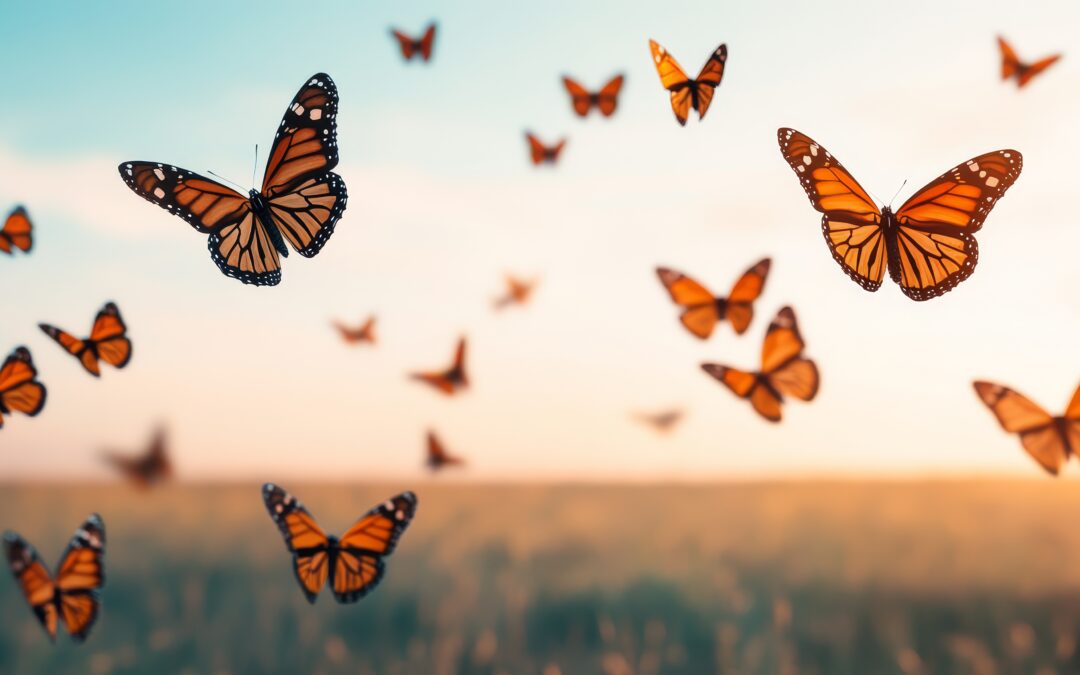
(662, 422)
(451, 380)
(353, 563)
(149, 468)
(72, 594)
(437, 456)
(108, 341)
(1013, 67)
(1049, 440)
(687, 93)
(543, 154)
(784, 370)
(300, 201)
(19, 389)
(518, 292)
(604, 100)
(703, 310)
(17, 232)
(411, 47)
(928, 244)
(364, 333)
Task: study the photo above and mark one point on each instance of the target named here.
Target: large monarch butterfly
(19, 389)
(518, 292)
(17, 233)
(1013, 67)
(108, 341)
(71, 595)
(687, 93)
(354, 562)
(544, 154)
(1049, 440)
(784, 370)
(605, 100)
(928, 244)
(453, 379)
(363, 333)
(437, 455)
(703, 310)
(147, 469)
(411, 46)
(300, 201)
(663, 422)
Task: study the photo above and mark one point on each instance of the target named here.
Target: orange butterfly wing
(407, 44)
(607, 100)
(427, 42)
(1010, 62)
(674, 79)
(34, 580)
(451, 380)
(740, 307)
(1029, 72)
(701, 314)
(303, 537)
(709, 79)
(782, 362)
(109, 336)
(437, 456)
(17, 232)
(19, 389)
(1037, 428)
(580, 98)
(359, 566)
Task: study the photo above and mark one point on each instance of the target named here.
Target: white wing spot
(316, 114)
(992, 181)
(807, 159)
(974, 166)
(159, 193)
(813, 150)
(159, 173)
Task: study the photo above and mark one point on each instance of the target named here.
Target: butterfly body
(261, 209)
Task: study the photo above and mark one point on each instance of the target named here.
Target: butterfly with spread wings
(108, 341)
(19, 389)
(412, 47)
(784, 370)
(147, 469)
(363, 333)
(687, 93)
(70, 595)
(1048, 439)
(17, 233)
(605, 100)
(1012, 67)
(354, 563)
(453, 379)
(703, 310)
(518, 292)
(437, 455)
(543, 154)
(300, 202)
(928, 245)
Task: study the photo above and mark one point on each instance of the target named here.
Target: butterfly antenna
(255, 166)
(897, 192)
(225, 179)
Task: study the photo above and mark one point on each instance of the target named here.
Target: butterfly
(604, 100)
(451, 380)
(1049, 440)
(364, 333)
(411, 47)
(662, 422)
(72, 593)
(108, 341)
(687, 93)
(928, 244)
(353, 563)
(437, 456)
(784, 370)
(541, 153)
(300, 201)
(1013, 67)
(518, 292)
(149, 468)
(703, 310)
(17, 232)
(19, 389)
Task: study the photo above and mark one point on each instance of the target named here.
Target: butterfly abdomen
(262, 212)
(1061, 425)
(721, 308)
(892, 249)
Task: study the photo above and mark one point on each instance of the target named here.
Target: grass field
(830, 578)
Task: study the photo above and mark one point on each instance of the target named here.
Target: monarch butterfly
(17, 232)
(662, 422)
(518, 292)
(703, 310)
(71, 594)
(1013, 67)
(365, 333)
(928, 244)
(149, 468)
(784, 370)
(411, 47)
(19, 389)
(544, 154)
(1049, 440)
(605, 100)
(451, 380)
(354, 562)
(437, 456)
(108, 341)
(687, 93)
(300, 202)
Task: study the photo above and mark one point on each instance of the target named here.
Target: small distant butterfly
(1013, 67)
(411, 47)
(108, 341)
(544, 154)
(353, 563)
(662, 422)
(518, 292)
(364, 333)
(451, 380)
(301, 199)
(605, 100)
(703, 310)
(784, 370)
(928, 245)
(17, 232)
(19, 389)
(71, 595)
(437, 455)
(1049, 440)
(687, 93)
(147, 469)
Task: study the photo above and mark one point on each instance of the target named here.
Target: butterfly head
(331, 542)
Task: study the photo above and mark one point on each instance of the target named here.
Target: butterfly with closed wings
(1050, 440)
(438, 457)
(703, 310)
(19, 389)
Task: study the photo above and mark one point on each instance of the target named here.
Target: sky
(253, 382)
